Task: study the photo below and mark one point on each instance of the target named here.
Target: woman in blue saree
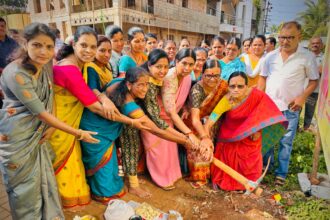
(100, 159)
(25, 155)
(231, 63)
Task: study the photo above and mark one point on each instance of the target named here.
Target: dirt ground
(201, 203)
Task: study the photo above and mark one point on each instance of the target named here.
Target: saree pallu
(198, 167)
(68, 166)
(100, 159)
(162, 155)
(25, 164)
(257, 113)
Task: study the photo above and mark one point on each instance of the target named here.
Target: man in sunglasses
(282, 77)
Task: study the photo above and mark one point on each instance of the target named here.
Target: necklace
(138, 58)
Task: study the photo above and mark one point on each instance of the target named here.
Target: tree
(315, 18)
(274, 29)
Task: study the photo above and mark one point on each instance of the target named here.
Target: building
(169, 19)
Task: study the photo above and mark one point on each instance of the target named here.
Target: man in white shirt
(315, 45)
(282, 77)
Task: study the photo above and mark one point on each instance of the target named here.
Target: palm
(315, 18)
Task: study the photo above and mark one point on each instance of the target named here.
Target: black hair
(238, 73)
(3, 20)
(185, 52)
(168, 42)
(56, 31)
(153, 58)
(150, 35)
(272, 40)
(132, 31)
(118, 96)
(112, 30)
(234, 40)
(205, 42)
(218, 38)
(67, 50)
(197, 49)
(260, 36)
(247, 39)
(211, 63)
(30, 32)
(101, 39)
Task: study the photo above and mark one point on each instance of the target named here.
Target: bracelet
(132, 122)
(80, 135)
(99, 94)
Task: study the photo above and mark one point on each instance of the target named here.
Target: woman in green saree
(25, 155)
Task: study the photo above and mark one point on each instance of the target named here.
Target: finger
(94, 140)
(145, 127)
(92, 132)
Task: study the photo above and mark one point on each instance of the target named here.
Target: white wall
(247, 20)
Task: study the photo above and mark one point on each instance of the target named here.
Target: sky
(285, 10)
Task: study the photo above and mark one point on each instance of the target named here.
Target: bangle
(99, 94)
(80, 135)
(132, 122)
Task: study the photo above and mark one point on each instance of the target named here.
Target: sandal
(168, 188)
(279, 181)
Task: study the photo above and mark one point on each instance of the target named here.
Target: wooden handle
(237, 176)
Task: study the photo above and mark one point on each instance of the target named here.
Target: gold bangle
(80, 135)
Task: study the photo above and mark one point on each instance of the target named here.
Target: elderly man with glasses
(283, 77)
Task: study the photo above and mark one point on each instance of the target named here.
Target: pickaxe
(250, 186)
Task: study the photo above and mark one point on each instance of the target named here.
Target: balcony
(229, 23)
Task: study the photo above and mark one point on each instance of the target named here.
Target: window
(170, 37)
(62, 5)
(37, 6)
(185, 3)
(130, 3)
(170, 1)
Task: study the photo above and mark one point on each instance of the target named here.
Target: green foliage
(12, 6)
(315, 18)
(14, 3)
(309, 208)
(257, 4)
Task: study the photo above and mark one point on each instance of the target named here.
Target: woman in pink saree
(162, 155)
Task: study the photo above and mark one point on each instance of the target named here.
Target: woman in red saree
(252, 124)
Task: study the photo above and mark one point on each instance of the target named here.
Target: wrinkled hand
(47, 134)
(86, 136)
(109, 109)
(255, 136)
(297, 103)
(195, 141)
(140, 123)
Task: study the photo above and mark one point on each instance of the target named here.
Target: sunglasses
(236, 86)
(212, 76)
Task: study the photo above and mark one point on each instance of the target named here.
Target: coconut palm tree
(315, 18)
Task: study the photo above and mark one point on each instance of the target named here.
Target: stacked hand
(140, 123)
(206, 149)
(109, 109)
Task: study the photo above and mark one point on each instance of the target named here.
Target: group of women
(61, 125)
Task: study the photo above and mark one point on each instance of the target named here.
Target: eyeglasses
(212, 76)
(236, 86)
(288, 38)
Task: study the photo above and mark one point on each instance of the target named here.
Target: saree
(253, 68)
(233, 66)
(100, 159)
(25, 164)
(126, 62)
(71, 95)
(162, 155)
(257, 113)
(198, 167)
